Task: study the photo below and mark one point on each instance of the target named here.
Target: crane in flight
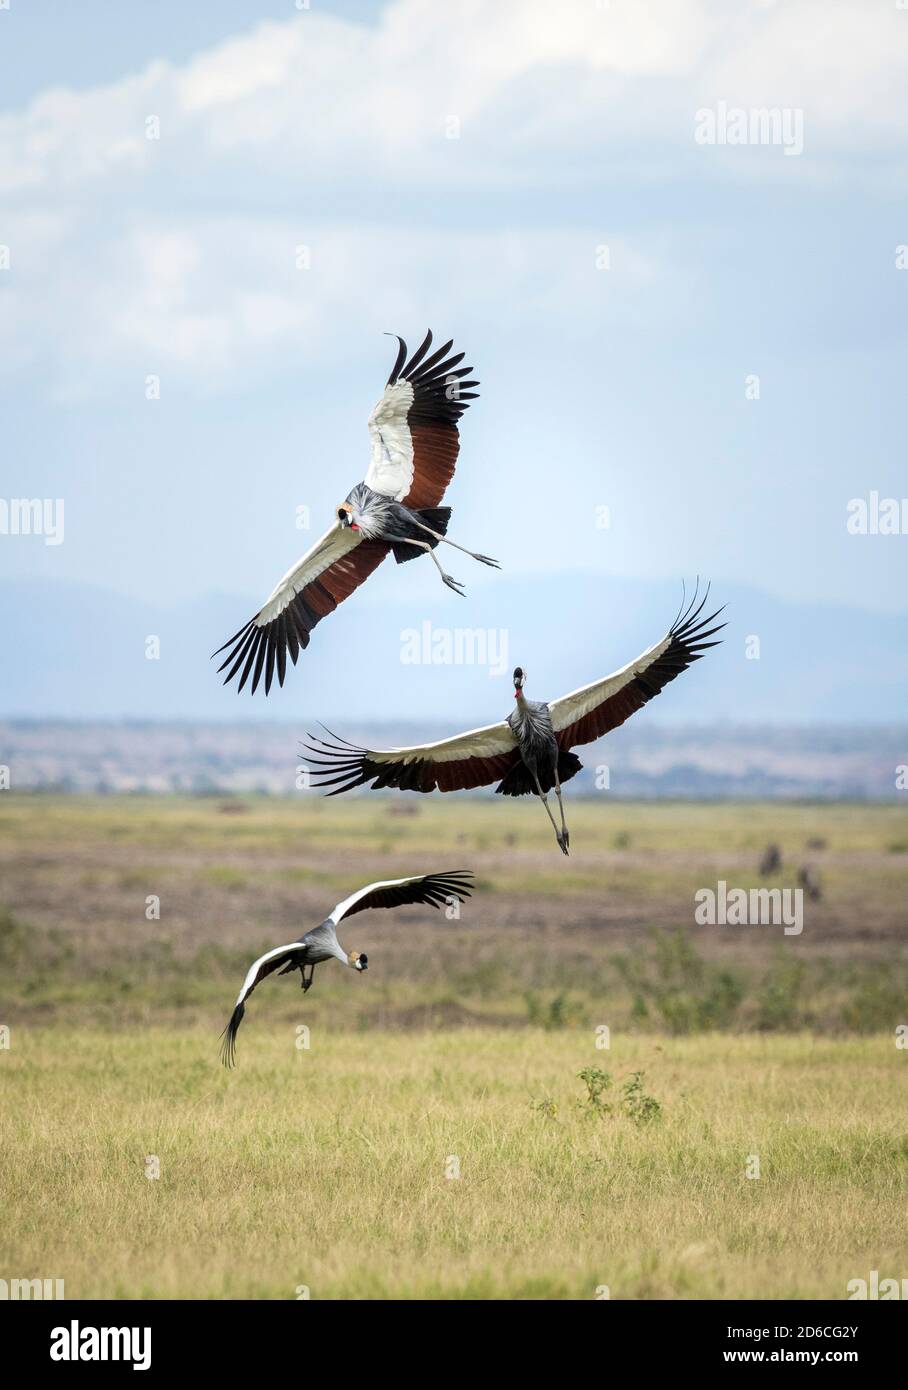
(530, 750)
(414, 447)
(321, 943)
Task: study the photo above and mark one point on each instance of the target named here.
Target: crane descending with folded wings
(414, 443)
(321, 943)
(530, 750)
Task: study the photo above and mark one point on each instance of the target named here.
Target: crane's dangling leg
(454, 584)
(483, 559)
(545, 801)
(565, 839)
(306, 983)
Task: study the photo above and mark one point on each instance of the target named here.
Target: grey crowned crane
(321, 943)
(414, 445)
(530, 751)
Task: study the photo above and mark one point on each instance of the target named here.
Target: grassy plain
(327, 1166)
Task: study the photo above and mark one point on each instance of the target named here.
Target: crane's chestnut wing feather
(326, 575)
(595, 709)
(413, 428)
(472, 759)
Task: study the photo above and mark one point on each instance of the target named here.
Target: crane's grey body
(531, 724)
(319, 944)
(532, 727)
(410, 532)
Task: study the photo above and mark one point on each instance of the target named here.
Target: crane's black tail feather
(435, 517)
(519, 781)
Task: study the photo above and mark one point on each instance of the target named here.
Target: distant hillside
(79, 652)
(642, 759)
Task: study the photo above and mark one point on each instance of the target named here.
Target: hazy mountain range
(425, 655)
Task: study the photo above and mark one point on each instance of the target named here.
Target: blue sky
(621, 387)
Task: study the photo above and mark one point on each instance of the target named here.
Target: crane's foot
(454, 584)
(307, 980)
(563, 840)
(486, 560)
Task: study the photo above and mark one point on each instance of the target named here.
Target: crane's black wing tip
(441, 887)
(228, 1046)
(689, 627)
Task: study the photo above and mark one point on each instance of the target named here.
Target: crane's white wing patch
(333, 545)
(569, 708)
(343, 908)
(487, 742)
(391, 463)
(252, 974)
(434, 890)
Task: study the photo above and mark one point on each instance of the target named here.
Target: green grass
(598, 826)
(327, 1168)
(545, 940)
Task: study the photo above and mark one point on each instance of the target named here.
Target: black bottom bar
(272, 1337)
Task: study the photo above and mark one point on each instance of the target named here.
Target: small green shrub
(558, 1012)
(638, 1106)
(597, 1082)
(779, 996)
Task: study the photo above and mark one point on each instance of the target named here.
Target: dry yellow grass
(326, 1168)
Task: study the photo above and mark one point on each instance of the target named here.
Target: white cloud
(299, 98)
(213, 302)
(135, 255)
(844, 63)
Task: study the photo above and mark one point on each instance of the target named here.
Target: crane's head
(358, 959)
(345, 516)
(520, 676)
